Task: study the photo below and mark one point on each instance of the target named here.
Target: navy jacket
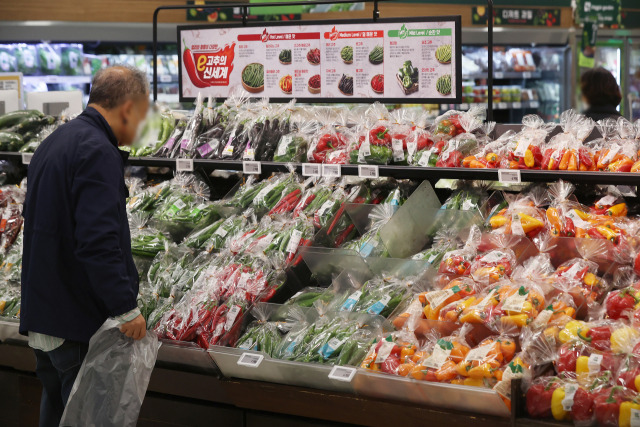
(77, 267)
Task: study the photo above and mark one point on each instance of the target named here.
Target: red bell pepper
(539, 398)
(620, 304)
(582, 409)
(379, 135)
(607, 406)
(567, 359)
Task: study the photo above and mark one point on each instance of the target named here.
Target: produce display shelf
(405, 172)
(57, 79)
(523, 105)
(364, 383)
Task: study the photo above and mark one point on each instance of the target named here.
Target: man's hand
(135, 329)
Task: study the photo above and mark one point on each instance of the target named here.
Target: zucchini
(10, 141)
(16, 117)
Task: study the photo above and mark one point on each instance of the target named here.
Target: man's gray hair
(113, 86)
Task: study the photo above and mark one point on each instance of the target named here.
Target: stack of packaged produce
(11, 199)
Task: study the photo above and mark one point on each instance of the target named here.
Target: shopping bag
(112, 381)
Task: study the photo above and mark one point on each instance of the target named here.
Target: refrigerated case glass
(634, 78)
(527, 80)
(608, 55)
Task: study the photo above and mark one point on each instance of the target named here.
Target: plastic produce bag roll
(112, 381)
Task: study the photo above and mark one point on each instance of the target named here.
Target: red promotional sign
(209, 67)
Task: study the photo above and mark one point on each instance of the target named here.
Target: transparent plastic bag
(113, 379)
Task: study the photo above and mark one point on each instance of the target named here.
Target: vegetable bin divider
(186, 355)
(9, 331)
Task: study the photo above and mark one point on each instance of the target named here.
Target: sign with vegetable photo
(355, 60)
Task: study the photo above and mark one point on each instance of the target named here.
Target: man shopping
(77, 268)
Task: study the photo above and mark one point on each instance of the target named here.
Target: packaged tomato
(525, 150)
(328, 140)
(456, 149)
(565, 151)
(458, 262)
(493, 266)
(392, 354)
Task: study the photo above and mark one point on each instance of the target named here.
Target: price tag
(526, 75)
(515, 302)
(342, 373)
(498, 75)
(294, 241)
(517, 105)
(251, 167)
(331, 171)
(502, 106)
(231, 317)
(384, 351)
(605, 201)
(368, 171)
(424, 159)
(479, 353)
(508, 176)
(635, 418)
(411, 148)
(311, 169)
(437, 358)
(250, 360)
(577, 221)
(569, 392)
(503, 388)
(516, 225)
(398, 150)
(184, 165)
(595, 360)
(26, 158)
(534, 104)
(437, 298)
(249, 154)
(284, 144)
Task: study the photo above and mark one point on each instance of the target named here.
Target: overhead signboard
(395, 60)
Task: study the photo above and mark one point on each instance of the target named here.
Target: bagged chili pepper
(400, 125)
(228, 230)
(261, 335)
(564, 150)
(526, 149)
(375, 297)
(458, 262)
(565, 216)
(436, 360)
(437, 303)
(448, 125)
(276, 188)
(314, 198)
(145, 202)
(611, 203)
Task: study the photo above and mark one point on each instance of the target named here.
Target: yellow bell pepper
(590, 279)
(622, 339)
(570, 331)
(582, 365)
(482, 371)
(529, 160)
(530, 223)
(636, 382)
(557, 409)
(624, 414)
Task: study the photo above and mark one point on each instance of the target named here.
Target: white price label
(342, 373)
(437, 298)
(479, 353)
(179, 204)
(331, 171)
(368, 171)
(635, 418)
(508, 176)
(595, 360)
(311, 169)
(569, 392)
(516, 225)
(249, 154)
(605, 201)
(231, 317)
(424, 159)
(517, 105)
(411, 148)
(294, 241)
(437, 358)
(515, 302)
(485, 301)
(253, 168)
(26, 158)
(493, 256)
(498, 75)
(542, 319)
(250, 360)
(284, 144)
(184, 165)
(384, 351)
(503, 106)
(398, 150)
(521, 149)
(526, 75)
(577, 221)
(534, 104)
(503, 388)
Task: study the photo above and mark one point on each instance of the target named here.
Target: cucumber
(32, 124)
(10, 141)
(16, 117)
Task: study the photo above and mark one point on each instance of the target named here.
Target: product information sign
(396, 60)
